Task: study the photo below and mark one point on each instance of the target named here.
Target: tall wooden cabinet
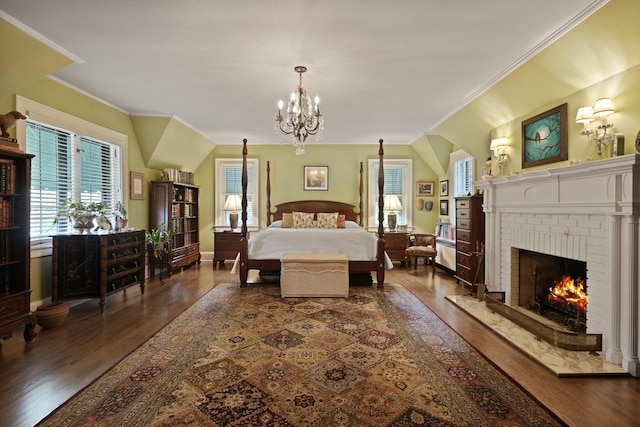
(175, 205)
(94, 265)
(15, 287)
(469, 240)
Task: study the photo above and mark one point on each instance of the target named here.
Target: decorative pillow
(287, 220)
(340, 221)
(328, 220)
(302, 220)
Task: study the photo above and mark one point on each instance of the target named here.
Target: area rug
(247, 357)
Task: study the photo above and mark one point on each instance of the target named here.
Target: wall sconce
(499, 148)
(597, 133)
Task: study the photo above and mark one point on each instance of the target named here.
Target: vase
(83, 221)
(50, 315)
(122, 223)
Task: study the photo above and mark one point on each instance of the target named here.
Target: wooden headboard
(315, 206)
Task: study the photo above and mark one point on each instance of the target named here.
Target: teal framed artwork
(545, 138)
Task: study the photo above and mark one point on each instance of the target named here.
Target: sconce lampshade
(585, 115)
(603, 107)
(498, 143)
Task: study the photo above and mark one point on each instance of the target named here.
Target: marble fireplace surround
(588, 212)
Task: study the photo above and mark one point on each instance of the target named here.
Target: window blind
(462, 176)
(232, 176)
(396, 181)
(67, 165)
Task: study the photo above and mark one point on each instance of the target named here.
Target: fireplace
(589, 213)
(553, 287)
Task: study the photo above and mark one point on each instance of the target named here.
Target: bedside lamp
(392, 204)
(233, 204)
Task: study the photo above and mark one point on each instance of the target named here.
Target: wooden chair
(424, 247)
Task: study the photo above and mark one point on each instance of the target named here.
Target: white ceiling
(391, 69)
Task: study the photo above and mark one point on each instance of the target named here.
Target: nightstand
(226, 245)
(395, 244)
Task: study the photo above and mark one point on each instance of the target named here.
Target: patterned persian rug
(246, 357)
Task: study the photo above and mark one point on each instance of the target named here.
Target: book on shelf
(445, 230)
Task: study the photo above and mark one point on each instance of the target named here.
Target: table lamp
(233, 204)
(392, 204)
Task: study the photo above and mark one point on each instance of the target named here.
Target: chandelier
(302, 118)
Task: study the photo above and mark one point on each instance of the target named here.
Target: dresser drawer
(463, 258)
(464, 273)
(463, 236)
(463, 224)
(462, 204)
(463, 246)
(15, 304)
(463, 214)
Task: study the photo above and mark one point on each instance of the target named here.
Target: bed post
(244, 265)
(380, 253)
(268, 193)
(360, 207)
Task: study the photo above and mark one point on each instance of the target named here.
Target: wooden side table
(226, 245)
(395, 244)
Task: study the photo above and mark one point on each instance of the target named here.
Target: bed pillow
(327, 220)
(302, 220)
(351, 224)
(275, 224)
(340, 221)
(287, 220)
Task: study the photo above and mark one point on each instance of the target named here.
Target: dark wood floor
(36, 378)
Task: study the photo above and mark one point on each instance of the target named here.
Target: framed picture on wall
(444, 207)
(545, 138)
(316, 178)
(444, 187)
(137, 186)
(424, 188)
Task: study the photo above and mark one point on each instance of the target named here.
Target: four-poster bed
(264, 252)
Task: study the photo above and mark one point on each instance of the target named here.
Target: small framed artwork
(137, 186)
(401, 228)
(316, 178)
(424, 188)
(545, 138)
(444, 207)
(444, 187)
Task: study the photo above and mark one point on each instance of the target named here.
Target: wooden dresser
(91, 265)
(469, 239)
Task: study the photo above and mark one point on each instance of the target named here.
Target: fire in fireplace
(555, 288)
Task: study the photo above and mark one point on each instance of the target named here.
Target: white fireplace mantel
(588, 212)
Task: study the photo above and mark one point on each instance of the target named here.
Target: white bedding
(353, 241)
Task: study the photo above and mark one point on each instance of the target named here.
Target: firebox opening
(555, 288)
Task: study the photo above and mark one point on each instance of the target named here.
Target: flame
(569, 292)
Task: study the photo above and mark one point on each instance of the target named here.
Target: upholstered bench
(314, 275)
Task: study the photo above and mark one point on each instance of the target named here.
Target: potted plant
(121, 215)
(159, 241)
(81, 214)
(159, 245)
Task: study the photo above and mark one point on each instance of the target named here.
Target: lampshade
(585, 115)
(392, 203)
(498, 143)
(233, 203)
(603, 107)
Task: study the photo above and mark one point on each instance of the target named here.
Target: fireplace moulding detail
(588, 212)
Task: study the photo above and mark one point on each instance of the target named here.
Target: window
(397, 180)
(462, 173)
(68, 166)
(74, 159)
(229, 181)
